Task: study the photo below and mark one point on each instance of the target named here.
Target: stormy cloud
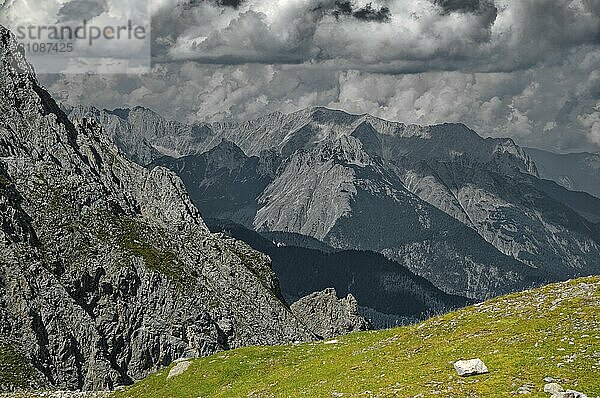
(526, 69)
(79, 10)
(365, 13)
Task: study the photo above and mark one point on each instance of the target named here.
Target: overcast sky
(527, 69)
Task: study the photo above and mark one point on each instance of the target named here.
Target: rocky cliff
(327, 316)
(107, 270)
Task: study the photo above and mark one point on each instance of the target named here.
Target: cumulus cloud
(545, 107)
(527, 69)
(79, 10)
(418, 36)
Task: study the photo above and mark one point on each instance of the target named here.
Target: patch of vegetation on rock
(15, 371)
(138, 238)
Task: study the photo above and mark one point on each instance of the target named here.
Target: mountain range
(574, 171)
(469, 214)
(131, 241)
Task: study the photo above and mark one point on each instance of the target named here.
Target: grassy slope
(522, 338)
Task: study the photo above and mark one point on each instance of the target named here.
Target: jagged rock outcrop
(107, 270)
(327, 316)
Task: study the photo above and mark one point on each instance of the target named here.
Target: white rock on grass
(178, 369)
(569, 394)
(470, 367)
(574, 394)
(553, 388)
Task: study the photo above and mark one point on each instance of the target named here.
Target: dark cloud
(230, 3)
(343, 8)
(367, 13)
(459, 5)
(189, 4)
(78, 10)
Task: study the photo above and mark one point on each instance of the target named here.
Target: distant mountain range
(574, 171)
(469, 214)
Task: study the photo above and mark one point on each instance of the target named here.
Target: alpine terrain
(107, 270)
(308, 198)
(469, 214)
(539, 343)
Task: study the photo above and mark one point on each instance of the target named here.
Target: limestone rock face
(107, 270)
(327, 316)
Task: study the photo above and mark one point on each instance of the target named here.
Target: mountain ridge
(108, 271)
(331, 159)
(315, 223)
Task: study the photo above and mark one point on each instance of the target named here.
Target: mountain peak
(226, 153)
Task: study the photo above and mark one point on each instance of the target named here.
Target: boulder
(327, 316)
(553, 388)
(178, 369)
(470, 367)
